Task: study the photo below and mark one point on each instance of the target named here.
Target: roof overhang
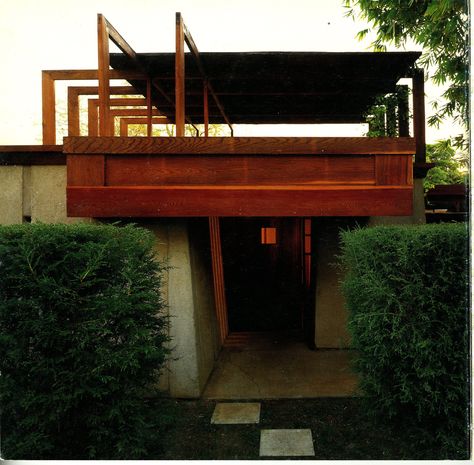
(278, 87)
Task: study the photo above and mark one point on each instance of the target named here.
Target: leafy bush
(407, 293)
(81, 337)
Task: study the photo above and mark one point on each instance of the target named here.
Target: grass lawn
(339, 428)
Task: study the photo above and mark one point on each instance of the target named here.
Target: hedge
(406, 290)
(82, 334)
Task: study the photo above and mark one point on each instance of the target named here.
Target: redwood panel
(238, 201)
(218, 275)
(241, 145)
(391, 170)
(239, 170)
(85, 170)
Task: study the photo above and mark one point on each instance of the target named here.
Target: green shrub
(406, 289)
(81, 337)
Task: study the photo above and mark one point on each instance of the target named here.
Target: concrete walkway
(286, 369)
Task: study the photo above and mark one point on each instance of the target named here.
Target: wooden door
(263, 273)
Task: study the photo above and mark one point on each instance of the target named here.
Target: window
(269, 236)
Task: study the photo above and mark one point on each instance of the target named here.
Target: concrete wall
(11, 204)
(36, 193)
(208, 345)
(184, 245)
(331, 314)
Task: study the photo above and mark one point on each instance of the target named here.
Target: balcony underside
(189, 177)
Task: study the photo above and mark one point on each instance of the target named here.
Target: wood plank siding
(241, 176)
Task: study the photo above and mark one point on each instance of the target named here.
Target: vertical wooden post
(92, 119)
(103, 75)
(49, 108)
(218, 275)
(149, 110)
(419, 115)
(123, 128)
(403, 112)
(179, 77)
(391, 115)
(206, 110)
(73, 127)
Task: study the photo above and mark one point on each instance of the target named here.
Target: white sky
(62, 34)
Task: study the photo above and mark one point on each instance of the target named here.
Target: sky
(62, 34)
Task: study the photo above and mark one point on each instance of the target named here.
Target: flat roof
(277, 87)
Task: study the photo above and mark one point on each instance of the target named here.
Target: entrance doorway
(266, 280)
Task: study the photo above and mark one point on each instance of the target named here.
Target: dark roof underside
(278, 87)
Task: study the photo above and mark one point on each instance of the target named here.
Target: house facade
(248, 225)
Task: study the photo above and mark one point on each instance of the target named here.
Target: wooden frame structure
(121, 176)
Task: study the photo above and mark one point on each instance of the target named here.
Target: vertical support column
(403, 112)
(73, 126)
(148, 108)
(179, 77)
(218, 275)
(103, 75)
(206, 110)
(49, 109)
(123, 128)
(391, 115)
(419, 115)
(92, 119)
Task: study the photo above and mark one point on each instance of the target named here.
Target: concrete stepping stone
(286, 443)
(235, 413)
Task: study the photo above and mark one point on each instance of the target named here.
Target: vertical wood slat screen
(218, 275)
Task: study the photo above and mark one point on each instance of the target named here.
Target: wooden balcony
(238, 176)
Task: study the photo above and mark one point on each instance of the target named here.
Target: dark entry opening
(264, 273)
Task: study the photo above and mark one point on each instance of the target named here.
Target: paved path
(273, 442)
(281, 372)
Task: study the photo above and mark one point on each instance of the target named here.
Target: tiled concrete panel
(236, 413)
(286, 443)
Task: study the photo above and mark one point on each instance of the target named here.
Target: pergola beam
(73, 93)
(195, 52)
(124, 46)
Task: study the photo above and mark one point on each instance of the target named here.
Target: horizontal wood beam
(92, 74)
(30, 155)
(182, 201)
(242, 145)
(195, 52)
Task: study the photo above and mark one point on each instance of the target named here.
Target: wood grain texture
(241, 145)
(393, 170)
(179, 77)
(91, 74)
(186, 201)
(48, 108)
(31, 155)
(86, 170)
(125, 170)
(31, 148)
(218, 277)
(103, 75)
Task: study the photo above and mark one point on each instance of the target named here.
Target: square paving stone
(234, 413)
(286, 442)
